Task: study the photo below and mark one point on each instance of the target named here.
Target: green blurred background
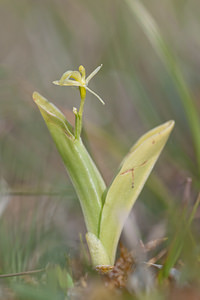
(40, 40)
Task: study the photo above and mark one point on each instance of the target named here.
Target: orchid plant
(105, 209)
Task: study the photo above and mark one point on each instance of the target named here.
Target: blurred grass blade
(178, 242)
(153, 34)
(192, 215)
(175, 250)
(128, 183)
(86, 178)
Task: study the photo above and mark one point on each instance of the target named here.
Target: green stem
(79, 114)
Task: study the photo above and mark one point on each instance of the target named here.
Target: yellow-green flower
(78, 78)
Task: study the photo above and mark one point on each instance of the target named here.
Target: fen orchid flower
(78, 78)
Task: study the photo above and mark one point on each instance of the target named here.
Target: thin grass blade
(157, 41)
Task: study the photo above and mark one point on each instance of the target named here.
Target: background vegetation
(146, 79)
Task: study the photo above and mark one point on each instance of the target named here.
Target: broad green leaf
(128, 183)
(85, 176)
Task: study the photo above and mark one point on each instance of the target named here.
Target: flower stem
(79, 114)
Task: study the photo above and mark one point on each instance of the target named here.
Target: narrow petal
(93, 74)
(67, 83)
(56, 82)
(66, 76)
(94, 94)
(76, 76)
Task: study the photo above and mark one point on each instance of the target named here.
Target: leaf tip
(170, 125)
(36, 96)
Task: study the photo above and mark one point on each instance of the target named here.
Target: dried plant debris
(151, 245)
(118, 276)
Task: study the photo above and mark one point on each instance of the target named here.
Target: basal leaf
(98, 253)
(85, 176)
(128, 183)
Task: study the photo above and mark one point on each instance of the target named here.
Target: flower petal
(94, 94)
(68, 83)
(93, 74)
